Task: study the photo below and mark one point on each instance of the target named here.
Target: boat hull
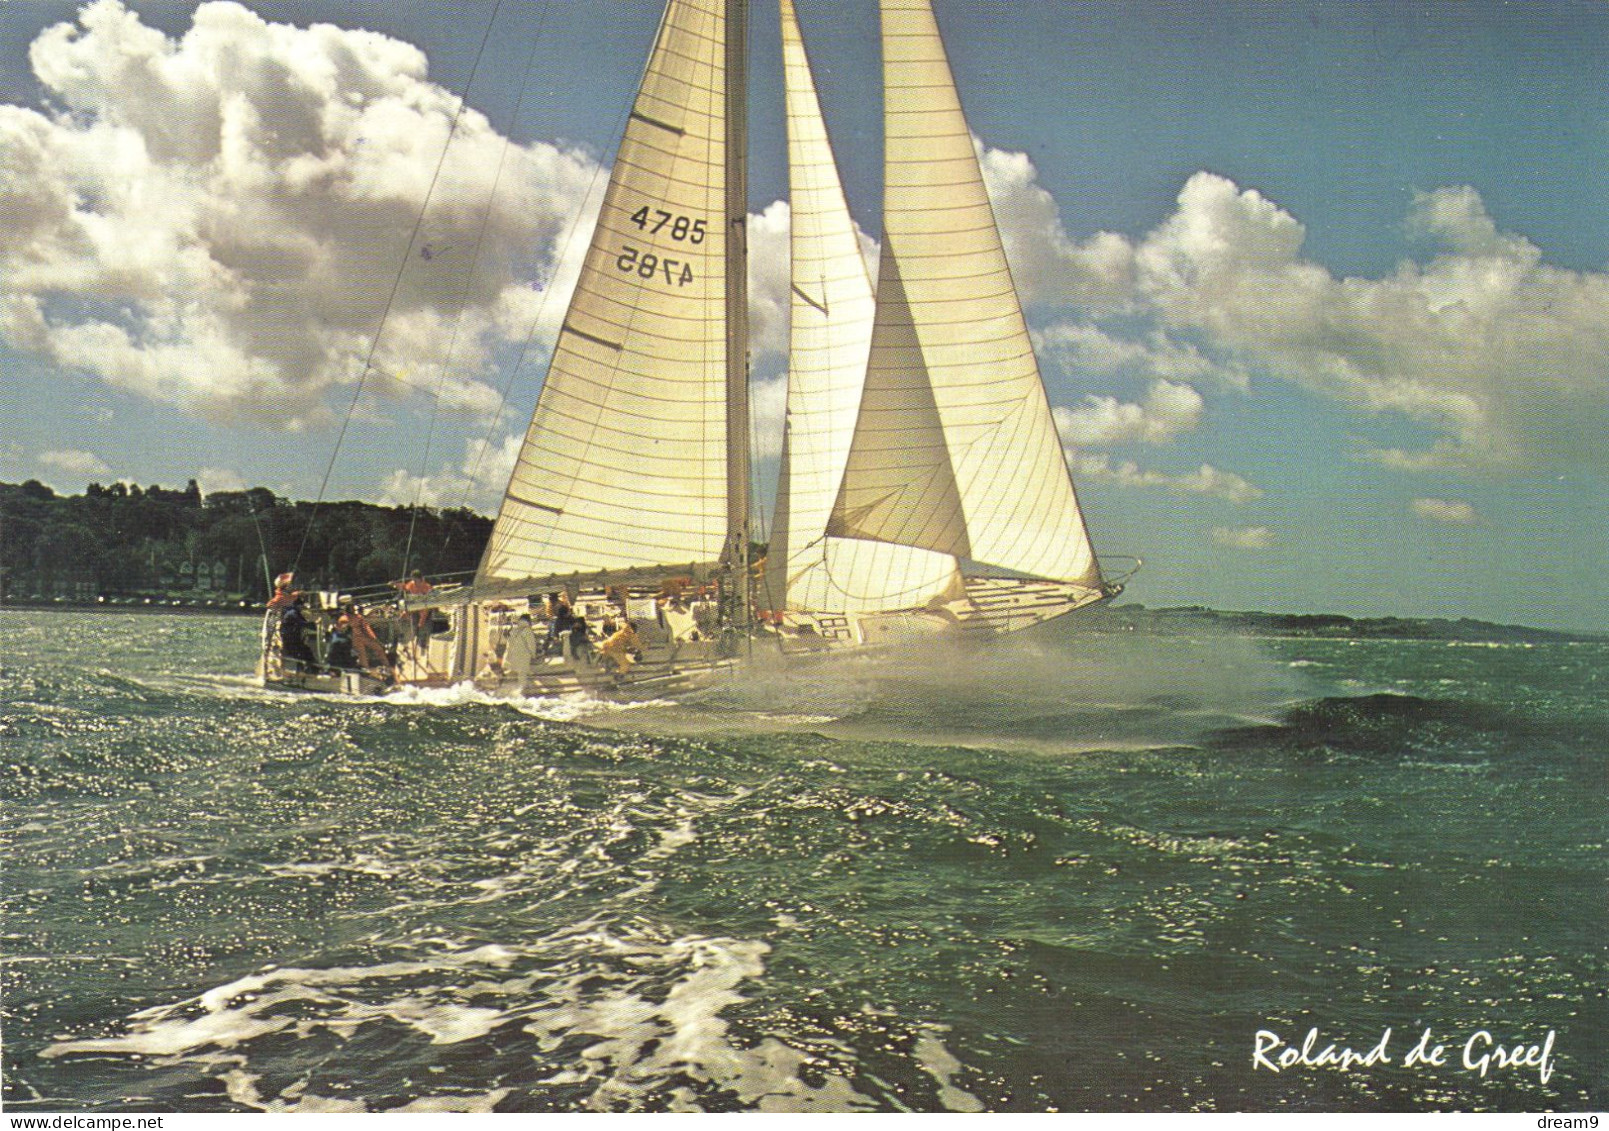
(676, 657)
(992, 607)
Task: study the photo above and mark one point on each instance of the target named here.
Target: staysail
(955, 449)
(625, 461)
(832, 310)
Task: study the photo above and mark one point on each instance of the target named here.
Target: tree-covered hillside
(123, 541)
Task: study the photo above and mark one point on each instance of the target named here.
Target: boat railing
(696, 574)
(374, 594)
(1118, 569)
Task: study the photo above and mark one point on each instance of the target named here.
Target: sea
(1107, 869)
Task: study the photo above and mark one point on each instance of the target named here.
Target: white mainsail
(832, 312)
(955, 450)
(625, 461)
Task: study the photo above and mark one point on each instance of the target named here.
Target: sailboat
(923, 491)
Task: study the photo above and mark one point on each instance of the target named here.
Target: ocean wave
(1399, 726)
(613, 1012)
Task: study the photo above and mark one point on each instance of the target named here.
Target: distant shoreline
(1175, 621)
(1329, 626)
(220, 608)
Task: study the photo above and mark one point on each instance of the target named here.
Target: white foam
(242, 1089)
(361, 864)
(570, 707)
(243, 1010)
(478, 1104)
(565, 708)
(939, 1063)
(642, 1040)
(649, 1009)
(167, 1038)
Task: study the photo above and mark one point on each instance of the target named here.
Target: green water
(1077, 872)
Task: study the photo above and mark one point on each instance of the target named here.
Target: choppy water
(1080, 872)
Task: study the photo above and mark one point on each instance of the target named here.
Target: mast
(737, 306)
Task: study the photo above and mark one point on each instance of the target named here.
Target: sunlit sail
(922, 490)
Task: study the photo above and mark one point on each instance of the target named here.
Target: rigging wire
(396, 285)
(529, 337)
(757, 502)
(536, 319)
(463, 296)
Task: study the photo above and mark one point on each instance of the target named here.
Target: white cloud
(1100, 422)
(1205, 480)
(217, 221)
(768, 408)
(75, 462)
(768, 279)
(211, 479)
(1086, 349)
(478, 482)
(1243, 537)
(1503, 357)
(1453, 512)
(1456, 218)
(1046, 264)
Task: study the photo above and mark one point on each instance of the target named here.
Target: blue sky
(1322, 290)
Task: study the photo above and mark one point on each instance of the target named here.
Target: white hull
(472, 648)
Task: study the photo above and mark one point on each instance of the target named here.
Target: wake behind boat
(923, 489)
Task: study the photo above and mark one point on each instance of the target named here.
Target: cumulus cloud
(1086, 349)
(1243, 537)
(1504, 356)
(1047, 265)
(1453, 512)
(477, 482)
(76, 462)
(1205, 480)
(211, 479)
(217, 221)
(768, 408)
(1101, 422)
(768, 234)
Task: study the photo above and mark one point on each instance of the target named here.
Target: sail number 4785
(651, 265)
(656, 220)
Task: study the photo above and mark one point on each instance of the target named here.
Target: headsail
(625, 460)
(955, 449)
(832, 316)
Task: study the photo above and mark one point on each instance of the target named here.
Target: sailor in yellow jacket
(622, 647)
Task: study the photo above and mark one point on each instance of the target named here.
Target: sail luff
(625, 461)
(955, 449)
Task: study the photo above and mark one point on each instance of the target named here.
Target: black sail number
(659, 224)
(649, 267)
(655, 221)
